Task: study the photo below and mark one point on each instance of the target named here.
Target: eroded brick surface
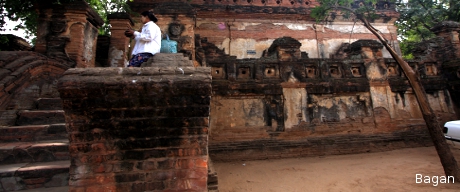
(285, 100)
(25, 77)
(140, 129)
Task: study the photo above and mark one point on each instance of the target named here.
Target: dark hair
(151, 16)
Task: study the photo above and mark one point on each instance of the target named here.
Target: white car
(452, 130)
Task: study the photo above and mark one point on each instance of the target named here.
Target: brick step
(170, 57)
(212, 177)
(30, 152)
(14, 63)
(26, 176)
(33, 133)
(168, 64)
(8, 117)
(48, 189)
(40, 117)
(238, 136)
(168, 60)
(49, 104)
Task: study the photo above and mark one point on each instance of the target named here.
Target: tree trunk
(445, 154)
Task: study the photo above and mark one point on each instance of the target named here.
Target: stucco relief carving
(175, 29)
(58, 26)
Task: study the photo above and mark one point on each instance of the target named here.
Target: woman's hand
(129, 33)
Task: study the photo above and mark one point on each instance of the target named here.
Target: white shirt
(149, 40)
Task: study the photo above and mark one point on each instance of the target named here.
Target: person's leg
(132, 61)
(135, 61)
(145, 57)
(138, 59)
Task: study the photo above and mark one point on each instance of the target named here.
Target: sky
(9, 29)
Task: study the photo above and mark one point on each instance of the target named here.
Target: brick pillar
(295, 104)
(449, 30)
(119, 43)
(380, 90)
(68, 30)
(137, 129)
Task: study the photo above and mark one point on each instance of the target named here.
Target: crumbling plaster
(240, 37)
(234, 113)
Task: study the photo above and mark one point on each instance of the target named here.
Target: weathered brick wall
(297, 144)
(24, 77)
(268, 91)
(440, 56)
(177, 20)
(245, 29)
(68, 31)
(137, 129)
(449, 31)
(451, 71)
(274, 107)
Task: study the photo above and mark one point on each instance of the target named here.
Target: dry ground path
(390, 171)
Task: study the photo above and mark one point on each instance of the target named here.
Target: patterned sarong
(138, 59)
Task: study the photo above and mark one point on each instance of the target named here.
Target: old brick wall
(281, 80)
(284, 105)
(137, 129)
(24, 77)
(452, 73)
(68, 31)
(449, 31)
(245, 29)
(302, 145)
(177, 20)
(441, 56)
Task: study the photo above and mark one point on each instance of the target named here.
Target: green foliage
(24, 10)
(20, 10)
(106, 7)
(329, 9)
(319, 13)
(412, 38)
(419, 16)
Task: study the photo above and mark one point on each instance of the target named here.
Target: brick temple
(252, 79)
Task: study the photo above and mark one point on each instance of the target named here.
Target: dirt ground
(385, 171)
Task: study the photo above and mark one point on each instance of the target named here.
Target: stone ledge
(34, 175)
(317, 146)
(41, 151)
(138, 71)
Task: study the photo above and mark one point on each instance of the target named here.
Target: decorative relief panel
(244, 72)
(335, 71)
(357, 70)
(393, 70)
(217, 72)
(312, 71)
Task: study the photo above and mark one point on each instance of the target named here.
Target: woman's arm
(145, 35)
